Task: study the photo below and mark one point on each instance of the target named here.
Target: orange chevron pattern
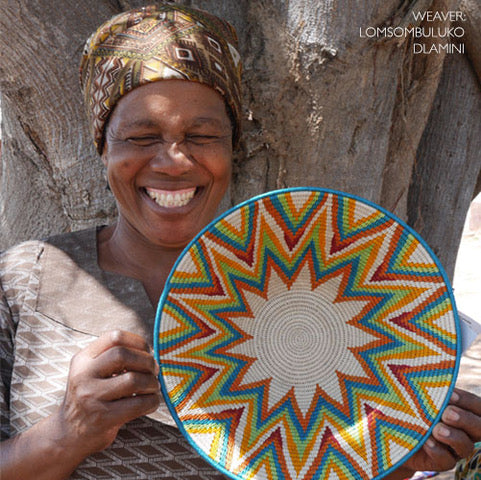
(307, 334)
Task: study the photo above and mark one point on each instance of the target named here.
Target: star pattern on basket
(307, 335)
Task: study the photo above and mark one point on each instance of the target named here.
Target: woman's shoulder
(79, 245)
(20, 259)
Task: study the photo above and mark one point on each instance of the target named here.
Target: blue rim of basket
(283, 191)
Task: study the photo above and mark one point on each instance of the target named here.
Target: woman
(161, 86)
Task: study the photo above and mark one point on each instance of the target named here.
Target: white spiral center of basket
(297, 338)
(302, 340)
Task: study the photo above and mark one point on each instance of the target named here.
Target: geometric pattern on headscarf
(159, 42)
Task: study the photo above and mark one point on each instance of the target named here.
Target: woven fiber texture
(470, 468)
(154, 43)
(307, 334)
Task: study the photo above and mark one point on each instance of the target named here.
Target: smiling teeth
(171, 199)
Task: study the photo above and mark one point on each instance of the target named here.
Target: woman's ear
(105, 175)
(104, 156)
(104, 159)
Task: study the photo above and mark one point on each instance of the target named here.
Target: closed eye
(193, 139)
(144, 141)
(203, 139)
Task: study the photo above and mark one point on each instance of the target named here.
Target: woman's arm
(111, 382)
(39, 453)
(452, 439)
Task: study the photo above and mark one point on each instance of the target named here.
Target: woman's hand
(111, 382)
(452, 439)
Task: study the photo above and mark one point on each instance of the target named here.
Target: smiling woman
(162, 92)
(79, 394)
(167, 150)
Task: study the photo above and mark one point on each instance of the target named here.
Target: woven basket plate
(307, 334)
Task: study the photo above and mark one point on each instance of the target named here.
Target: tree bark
(51, 177)
(439, 195)
(324, 106)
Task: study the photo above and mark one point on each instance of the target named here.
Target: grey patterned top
(54, 300)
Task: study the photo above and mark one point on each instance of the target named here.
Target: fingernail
(455, 396)
(431, 443)
(452, 415)
(443, 431)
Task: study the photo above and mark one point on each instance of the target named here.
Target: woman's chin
(171, 237)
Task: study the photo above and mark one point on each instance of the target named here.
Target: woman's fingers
(111, 382)
(452, 438)
(120, 359)
(114, 353)
(460, 427)
(116, 338)
(467, 401)
(437, 456)
(124, 363)
(457, 418)
(463, 413)
(129, 408)
(128, 384)
(458, 441)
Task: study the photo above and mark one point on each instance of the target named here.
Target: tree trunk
(448, 161)
(325, 106)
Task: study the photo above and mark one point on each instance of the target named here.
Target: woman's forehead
(154, 44)
(171, 101)
(126, 124)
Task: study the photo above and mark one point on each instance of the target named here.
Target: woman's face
(168, 153)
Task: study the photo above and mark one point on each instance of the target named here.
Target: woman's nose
(171, 158)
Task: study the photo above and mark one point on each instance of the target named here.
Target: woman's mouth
(171, 198)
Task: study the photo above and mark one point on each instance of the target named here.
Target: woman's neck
(123, 250)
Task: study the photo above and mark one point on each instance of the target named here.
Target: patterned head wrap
(153, 43)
